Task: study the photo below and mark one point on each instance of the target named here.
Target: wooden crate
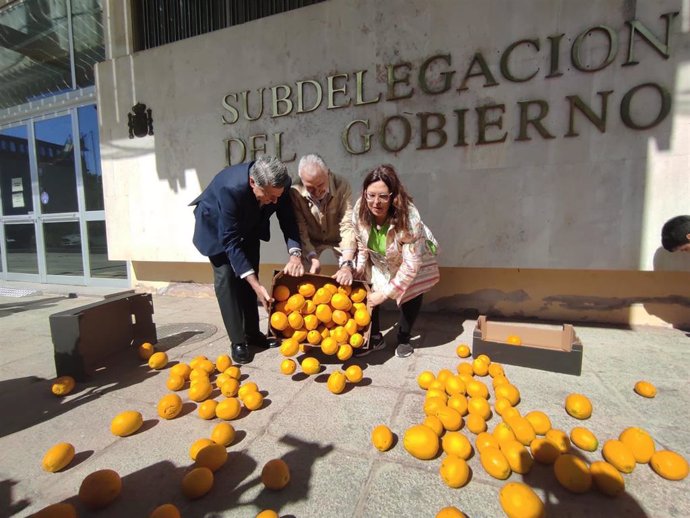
(281, 279)
(550, 348)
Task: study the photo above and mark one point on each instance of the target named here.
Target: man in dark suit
(232, 216)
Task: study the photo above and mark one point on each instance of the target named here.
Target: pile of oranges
(334, 318)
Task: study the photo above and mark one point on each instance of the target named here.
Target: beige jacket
(332, 229)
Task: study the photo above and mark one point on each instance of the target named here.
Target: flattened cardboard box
(549, 348)
(318, 281)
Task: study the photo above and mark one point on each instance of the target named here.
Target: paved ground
(323, 437)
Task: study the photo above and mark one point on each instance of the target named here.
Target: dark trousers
(408, 314)
(236, 298)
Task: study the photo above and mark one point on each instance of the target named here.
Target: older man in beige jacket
(322, 202)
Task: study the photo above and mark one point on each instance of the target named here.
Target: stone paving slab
(325, 438)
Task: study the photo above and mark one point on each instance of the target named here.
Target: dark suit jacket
(228, 215)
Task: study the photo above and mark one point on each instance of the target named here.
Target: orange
(207, 409)
(228, 409)
(288, 366)
(479, 406)
(340, 317)
(197, 483)
(503, 433)
(300, 335)
(295, 320)
(200, 391)
(322, 296)
(145, 351)
(496, 369)
(280, 306)
(421, 442)
(279, 320)
(61, 510)
(522, 429)
(306, 289)
(246, 388)
(439, 385)
(606, 478)
(382, 437)
(181, 369)
(484, 440)
(222, 378)
(354, 374)
(212, 457)
(267, 513)
(454, 385)
(100, 489)
(281, 293)
(324, 313)
(463, 351)
(450, 512)
(451, 418)
(344, 352)
(476, 423)
(539, 421)
(424, 379)
(175, 383)
(233, 371)
(336, 382)
(619, 455)
(669, 464)
(572, 473)
(435, 424)
(356, 340)
(459, 403)
(275, 474)
(208, 366)
(158, 360)
(195, 362)
(510, 412)
(197, 445)
(341, 301)
(310, 366)
(456, 443)
(362, 317)
(314, 337)
(340, 335)
(223, 434)
(560, 439)
(475, 388)
(640, 443)
(584, 439)
(57, 457)
(345, 290)
(230, 387)
(223, 362)
(165, 511)
(311, 322)
(126, 423)
(514, 340)
(289, 347)
(645, 389)
(454, 471)
(578, 406)
(169, 406)
(519, 459)
(253, 400)
(329, 346)
(508, 391)
(480, 367)
(495, 463)
(544, 450)
(518, 500)
(499, 380)
(501, 405)
(433, 405)
(332, 288)
(295, 302)
(198, 373)
(358, 294)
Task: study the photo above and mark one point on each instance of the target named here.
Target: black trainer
(262, 341)
(376, 343)
(240, 353)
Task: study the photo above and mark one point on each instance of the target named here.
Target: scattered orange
(145, 351)
(518, 500)
(267, 513)
(669, 465)
(508, 391)
(165, 511)
(584, 439)
(479, 406)
(560, 439)
(61, 510)
(228, 409)
(619, 455)
(57, 457)
(223, 434)
(275, 474)
(158, 360)
(175, 382)
(336, 382)
(253, 401)
(197, 483)
(421, 442)
(197, 445)
(310, 365)
(246, 388)
(354, 374)
(454, 471)
(126, 423)
(230, 387)
(475, 423)
(279, 320)
(495, 463)
(100, 489)
(207, 409)
(522, 429)
(463, 351)
(519, 459)
(645, 389)
(169, 406)
(457, 443)
(200, 391)
(607, 478)
(356, 340)
(539, 421)
(544, 450)
(640, 443)
(451, 418)
(572, 473)
(181, 369)
(212, 457)
(578, 406)
(382, 437)
(484, 440)
(314, 337)
(450, 512)
(329, 346)
(362, 317)
(288, 366)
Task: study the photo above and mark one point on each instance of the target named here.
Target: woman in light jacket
(395, 252)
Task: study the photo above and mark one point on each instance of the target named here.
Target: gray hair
(269, 171)
(312, 159)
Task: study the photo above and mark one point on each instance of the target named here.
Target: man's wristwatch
(349, 263)
(296, 253)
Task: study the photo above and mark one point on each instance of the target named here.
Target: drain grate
(15, 292)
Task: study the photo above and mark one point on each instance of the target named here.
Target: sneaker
(240, 353)
(376, 343)
(403, 350)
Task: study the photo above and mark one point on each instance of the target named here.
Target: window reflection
(15, 177)
(63, 248)
(90, 157)
(57, 184)
(98, 254)
(20, 243)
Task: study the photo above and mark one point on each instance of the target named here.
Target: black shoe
(376, 343)
(240, 353)
(261, 341)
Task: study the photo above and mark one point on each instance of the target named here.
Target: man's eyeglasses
(373, 196)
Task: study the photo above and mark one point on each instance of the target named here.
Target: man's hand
(264, 297)
(377, 298)
(343, 276)
(294, 267)
(315, 265)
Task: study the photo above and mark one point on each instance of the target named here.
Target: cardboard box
(550, 348)
(318, 281)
